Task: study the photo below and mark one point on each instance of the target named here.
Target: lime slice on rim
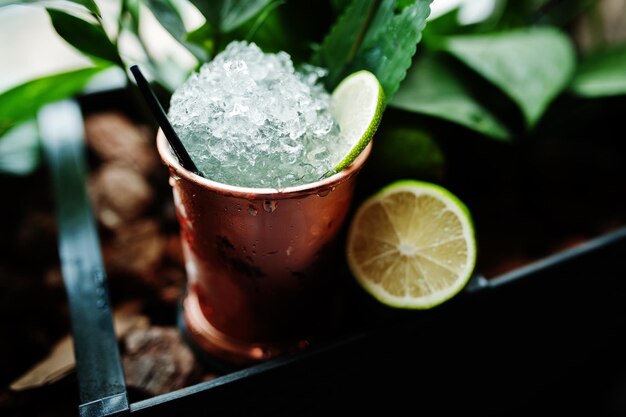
(357, 106)
(412, 245)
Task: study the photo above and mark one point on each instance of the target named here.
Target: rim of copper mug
(249, 192)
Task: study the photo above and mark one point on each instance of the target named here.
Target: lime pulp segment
(412, 245)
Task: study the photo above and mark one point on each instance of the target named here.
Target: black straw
(162, 120)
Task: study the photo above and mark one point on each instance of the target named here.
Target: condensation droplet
(323, 193)
(253, 210)
(269, 205)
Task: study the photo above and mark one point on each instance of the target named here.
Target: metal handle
(100, 375)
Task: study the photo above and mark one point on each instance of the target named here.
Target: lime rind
(362, 124)
(452, 203)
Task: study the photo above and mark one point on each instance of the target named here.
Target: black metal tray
(547, 334)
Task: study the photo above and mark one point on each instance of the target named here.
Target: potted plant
(503, 109)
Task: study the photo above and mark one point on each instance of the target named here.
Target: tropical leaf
(380, 36)
(532, 66)
(129, 15)
(283, 26)
(88, 4)
(602, 74)
(169, 17)
(203, 37)
(22, 102)
(88, 38)
(227, 15)
(432, 88)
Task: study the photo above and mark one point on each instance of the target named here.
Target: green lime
(357, 106)
(412, 245)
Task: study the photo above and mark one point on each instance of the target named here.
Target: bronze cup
(260, 262)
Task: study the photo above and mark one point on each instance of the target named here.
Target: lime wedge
(412, 245)
(357, 106)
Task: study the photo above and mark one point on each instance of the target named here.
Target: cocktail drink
(259, 225)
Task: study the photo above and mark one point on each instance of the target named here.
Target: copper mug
(259, 261)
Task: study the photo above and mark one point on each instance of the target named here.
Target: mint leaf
(532, 66)
(602, 74)
(431, 88)
(338, 49)
(379, 36)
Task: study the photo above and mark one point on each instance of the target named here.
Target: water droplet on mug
(323, 193)
(253, 210)
(269, 206)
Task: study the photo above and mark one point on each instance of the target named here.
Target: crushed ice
(248, 118)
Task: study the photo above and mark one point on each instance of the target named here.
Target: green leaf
(22, 102)
(446, 24)
(88, 4)
(515, 13)
(256, 24)
(227, 15)
(203, 37)
(267, 29)
(129, 15)
(404, 152)
(602, 74)
(432, 88)
(338, 6)
(342, 42)
(19, 149)
(391, 41)
(532, 66)
(88, 38)
(169, 17)
(281, 26)
(379, 36)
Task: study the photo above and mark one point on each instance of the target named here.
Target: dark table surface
(547, 343)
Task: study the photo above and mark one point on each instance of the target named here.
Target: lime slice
(412, 245)
(357, 106)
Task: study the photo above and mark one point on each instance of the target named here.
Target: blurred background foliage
(500, 70)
